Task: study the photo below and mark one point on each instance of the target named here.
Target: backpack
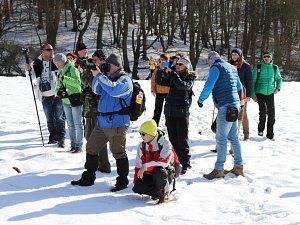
(175, 168)
(135, 109)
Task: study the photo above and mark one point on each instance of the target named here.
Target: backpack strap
(124, 110)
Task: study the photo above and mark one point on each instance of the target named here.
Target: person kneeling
(153, 173)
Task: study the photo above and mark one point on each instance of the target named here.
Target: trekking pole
(25, 52)
(213, 117)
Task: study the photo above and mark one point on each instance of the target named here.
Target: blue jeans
(54, 112)
(75, 125)
(227, 130)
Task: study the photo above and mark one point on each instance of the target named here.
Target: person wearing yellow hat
(153, 159)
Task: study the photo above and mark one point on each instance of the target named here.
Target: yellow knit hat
(149, 127)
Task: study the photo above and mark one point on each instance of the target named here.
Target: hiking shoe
(61, 144)
(246, 137)
(236, 170)
(77, 150)
(118, 188)
(214, 174)
(260, 134)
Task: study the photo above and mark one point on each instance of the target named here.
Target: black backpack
(134, 110)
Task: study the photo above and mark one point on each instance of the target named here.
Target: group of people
(73, 85)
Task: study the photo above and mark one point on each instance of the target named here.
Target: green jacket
(71, 80)
(266, 84)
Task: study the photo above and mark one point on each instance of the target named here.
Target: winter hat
(237, 51)
(149, 127)
(81, 46)
(100, 54)
(72, 54)
(185, 61)
(268, 54)
(213, 56)
(114, 59)
(59, 57)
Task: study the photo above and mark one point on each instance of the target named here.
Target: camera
(62, 93)
(87, 64)
(25, 50)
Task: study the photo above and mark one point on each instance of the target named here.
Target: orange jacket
(156, 88)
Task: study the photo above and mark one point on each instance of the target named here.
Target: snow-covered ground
(41, 194)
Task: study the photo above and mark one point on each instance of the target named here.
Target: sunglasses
(49, 49)
(267, 56)
(142, 134)
(179, 64)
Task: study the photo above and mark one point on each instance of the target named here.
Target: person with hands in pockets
(224, 83)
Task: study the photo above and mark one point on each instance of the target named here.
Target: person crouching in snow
(154, 158)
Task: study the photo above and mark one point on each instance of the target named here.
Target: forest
(134, 27)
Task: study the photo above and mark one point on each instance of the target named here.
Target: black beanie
(81, 46)
(115, 60)
(100, 54)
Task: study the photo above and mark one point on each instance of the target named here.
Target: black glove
(200, 104)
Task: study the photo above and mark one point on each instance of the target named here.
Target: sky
(41, 194)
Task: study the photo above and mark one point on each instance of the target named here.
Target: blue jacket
(111, 89)
(224, 83)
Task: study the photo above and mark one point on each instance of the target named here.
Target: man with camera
(91, 99)
(44, 71)
(115, 90)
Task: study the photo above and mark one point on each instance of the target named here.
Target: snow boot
(122, 170)
(87, 179)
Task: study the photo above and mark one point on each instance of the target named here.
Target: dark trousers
(266, 107)
(178, 128)
(155, 184)
(54, 112)
(159, 102)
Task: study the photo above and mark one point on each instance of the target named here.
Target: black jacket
(179, 99)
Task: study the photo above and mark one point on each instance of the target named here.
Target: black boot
(88, 177)
(122, 170)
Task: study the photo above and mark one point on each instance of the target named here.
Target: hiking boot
(214, 174)
(163, 200)
(260, 134)
(236, 170)
(87, 179)
(77, 150)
